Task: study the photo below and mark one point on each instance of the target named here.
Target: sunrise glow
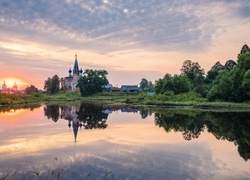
(130, 40)
(10, 81)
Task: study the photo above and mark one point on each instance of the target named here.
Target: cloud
(245, 11)
(116, 25)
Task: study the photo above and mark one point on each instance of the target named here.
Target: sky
(131, 39)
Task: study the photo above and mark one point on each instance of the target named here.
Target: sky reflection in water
(129, 147)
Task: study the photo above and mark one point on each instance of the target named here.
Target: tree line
(230, 126)
(230, 82)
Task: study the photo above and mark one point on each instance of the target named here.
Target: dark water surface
(85, 141)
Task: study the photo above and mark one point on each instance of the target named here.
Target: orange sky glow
(10, 81)
(130, 40)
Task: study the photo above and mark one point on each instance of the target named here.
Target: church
(9, 90)
(69, 83)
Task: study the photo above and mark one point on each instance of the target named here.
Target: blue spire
(76, 68)
(75, 129)
(70, 71)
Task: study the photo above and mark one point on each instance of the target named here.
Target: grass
(190, 99)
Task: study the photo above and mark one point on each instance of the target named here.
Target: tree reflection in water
(231, 126)
(92, 116)
(52, 112)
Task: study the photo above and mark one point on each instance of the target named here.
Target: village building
(6, 90)
(70, 82)
(130, 88)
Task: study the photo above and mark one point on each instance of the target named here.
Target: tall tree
(190, 67)
(229, 65)
(30, 89)
(52, 85)
(92, 81)
(52, 112)
(145, 84)
(195, 74)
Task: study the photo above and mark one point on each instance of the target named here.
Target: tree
(245, 49)
(194, 72)
(211, 75)
(52, 85)
(145, 84)
(163, 85)
(193, 68)
(246, 82)
(92, 116)
(222, 87)
(92, 81)
(52, 112)
(229, 65)
(178, 84)
(30, 89)
(240, 92)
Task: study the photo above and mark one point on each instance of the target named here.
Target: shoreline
(132, 99)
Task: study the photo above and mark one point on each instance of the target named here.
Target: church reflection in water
(69, 113)
(86, 116)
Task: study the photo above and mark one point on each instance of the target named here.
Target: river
(96, 141)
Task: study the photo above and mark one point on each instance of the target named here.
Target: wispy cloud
(116, 24)
(128, 38)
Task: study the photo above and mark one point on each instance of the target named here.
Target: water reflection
(87, 115)
(124, 143)
(8, 111)
(230, 126)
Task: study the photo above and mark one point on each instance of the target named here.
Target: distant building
(108, 86)
(114, 89)
(9, 90)
(4, 88)
(151, 93)
(70, 82)
(130, 88)
(14, 88)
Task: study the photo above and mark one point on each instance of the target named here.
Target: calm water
(85, 141)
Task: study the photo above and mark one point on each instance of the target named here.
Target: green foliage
(229, 65)
(246, 82)
(178, 84)
(92, 81)
(145, 84)
(92, 116)
(234, 127)
(222, 88)
(244, 61)
(30, 89)
(52, 85)
(192, 69)
(211, 75)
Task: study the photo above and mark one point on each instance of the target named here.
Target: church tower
(76, 68)
(14, 88)
(70, 82)
(4, 88)
(76, 75)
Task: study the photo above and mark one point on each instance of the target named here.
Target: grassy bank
(170, 100)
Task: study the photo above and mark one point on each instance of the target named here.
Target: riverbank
(191, 100)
